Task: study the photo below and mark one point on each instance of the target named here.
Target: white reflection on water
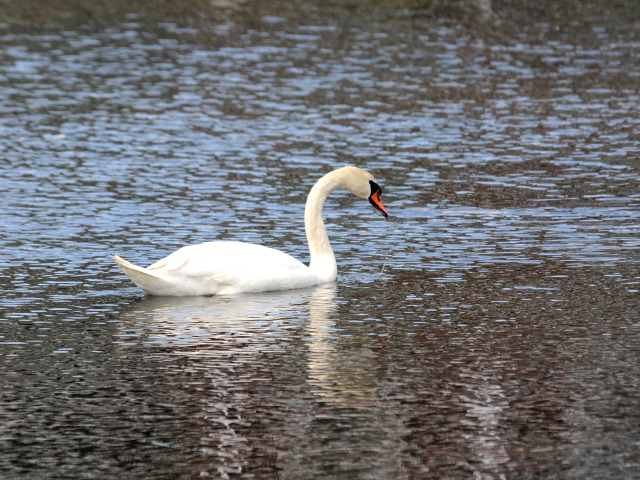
(245, 325)
(485, 402)
(235, 324)
(343, 378)
(225, 339)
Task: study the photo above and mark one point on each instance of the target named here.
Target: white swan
(226, 268)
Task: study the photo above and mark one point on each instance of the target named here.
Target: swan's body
(222, 268)
(225, 268)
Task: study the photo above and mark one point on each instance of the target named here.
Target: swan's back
(220, 268)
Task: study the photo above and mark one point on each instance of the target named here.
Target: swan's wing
(226, 262)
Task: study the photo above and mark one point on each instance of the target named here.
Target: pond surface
(489, 329)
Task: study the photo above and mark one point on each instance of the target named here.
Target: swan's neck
(323, 261)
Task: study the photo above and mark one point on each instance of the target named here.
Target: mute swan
(226, 268)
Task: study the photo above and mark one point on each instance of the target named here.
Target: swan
(227, 268)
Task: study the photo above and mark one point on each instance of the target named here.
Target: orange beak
(374, 199)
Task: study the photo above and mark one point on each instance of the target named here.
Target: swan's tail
(148, 281)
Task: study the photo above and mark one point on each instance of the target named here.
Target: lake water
(489, 329)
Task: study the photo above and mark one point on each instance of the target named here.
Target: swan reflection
(485, 403)
(225, 325)
(341, 371)
(341, 377)
(270, 362)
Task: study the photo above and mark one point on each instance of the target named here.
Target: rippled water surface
(489, 329)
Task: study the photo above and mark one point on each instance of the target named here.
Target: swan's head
(363, 185)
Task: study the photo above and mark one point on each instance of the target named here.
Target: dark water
(489, 330)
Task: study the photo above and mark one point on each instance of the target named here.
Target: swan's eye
(375, 187)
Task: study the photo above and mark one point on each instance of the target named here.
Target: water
(488, 329)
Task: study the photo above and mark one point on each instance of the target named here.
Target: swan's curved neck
(323, 261)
